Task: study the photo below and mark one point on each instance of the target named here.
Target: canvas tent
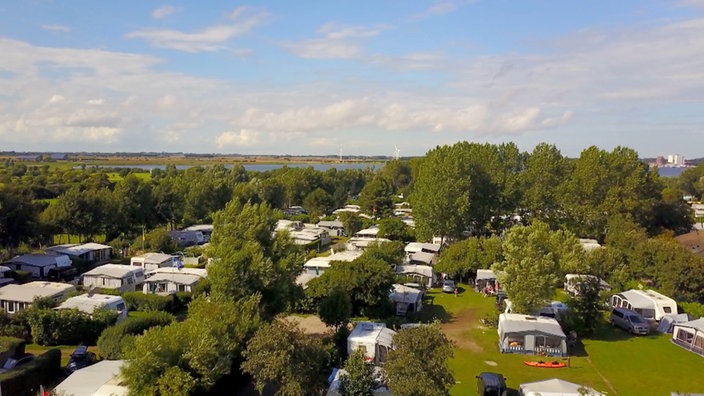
(531, 335)
(556, 387)
(406, 299)
(667, 322)
(484, 278)
(690, 335)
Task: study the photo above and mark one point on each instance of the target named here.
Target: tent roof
(406, 294)
(555, 387)
(485, 274)
(422, 257)
(114, 270)
(694, 324)
(424, 270)
(517, 323)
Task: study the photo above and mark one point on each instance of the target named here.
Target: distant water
(670, 171)
(262, 167)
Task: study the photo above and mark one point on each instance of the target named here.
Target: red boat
(553, 364)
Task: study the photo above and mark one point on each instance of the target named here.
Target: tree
(377, 197)
(352, 222)
(395, 229)
(192, 355)
(533, 256)
(546, 170)
(249, 260)
(586, 306)
(360, 379)
(318, 202)
(335, 309)
(391, 253)
(418, 365)
(280, 354)
(19, 216)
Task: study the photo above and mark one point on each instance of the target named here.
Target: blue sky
(284, 77)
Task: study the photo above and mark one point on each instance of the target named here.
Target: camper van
(87, 303)
(628, 320)
(648, 303)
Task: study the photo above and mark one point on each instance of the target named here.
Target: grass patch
(66, 351)
(614, 362)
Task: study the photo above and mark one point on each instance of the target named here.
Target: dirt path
(309, 324)
(458, 330)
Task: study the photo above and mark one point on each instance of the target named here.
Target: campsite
(614, 362)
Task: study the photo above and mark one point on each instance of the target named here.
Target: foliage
(157, 240)
(113, 340)
(335, 309)
(280, 354)
(138, 301)
(463, 258)
(366, 280)
(533, 259)
(317, 202)
(19, 216)
(418, 364)
(192, 354)
(352, 222)
(377, 197)
(586, 307)
(693, 308)
(249, 260)
(395, 229)
(25, 380)
(360, 379)
(68, 326)
(391, 253)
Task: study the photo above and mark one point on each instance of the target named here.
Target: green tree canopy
(361, 379)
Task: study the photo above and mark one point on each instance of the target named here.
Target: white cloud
(56, 99)
(96, 102)
(163, 11)
(56, 28)
(339, 42)
(209, 39)
(231, 139)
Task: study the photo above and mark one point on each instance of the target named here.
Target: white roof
(646, 298)
(366, 242)
(99, 379)
(154, 258)
(42, 260)
(694, 324)
(28, 291)
(330, 224)
(304, 278)
(422, 257)
(200, 227)
(77, 250)
(324, 262)
(589, 244)
(181, 279)
(373, 331)
(485, 274)
(413, 247)
(114, 271)
(405, 294)
(88, 303)
(202, 272)
(518, 323)
(424, 270)
(556, 387)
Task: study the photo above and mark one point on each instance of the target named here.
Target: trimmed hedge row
(68, 326)
(115, 339)
(26, 380)
(173, 303)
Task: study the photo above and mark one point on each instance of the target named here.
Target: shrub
(692, 308)
(68, 326)
(25, 381)
(138, 301)
(117, 338)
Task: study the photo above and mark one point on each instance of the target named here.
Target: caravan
(649, 303)
(374, 339)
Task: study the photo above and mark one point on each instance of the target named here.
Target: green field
(614, 363)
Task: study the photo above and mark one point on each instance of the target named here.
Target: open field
(614, 363)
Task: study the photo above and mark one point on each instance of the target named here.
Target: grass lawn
(614, 363)
(66, 351)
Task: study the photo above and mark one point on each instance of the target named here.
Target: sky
(362, 77)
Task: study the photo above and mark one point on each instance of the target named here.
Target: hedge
(115, 339)
(173, 303)
(26, 380)
(68, 326)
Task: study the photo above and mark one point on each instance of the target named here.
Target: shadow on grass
(432, 312)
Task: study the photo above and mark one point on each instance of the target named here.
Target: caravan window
(685, 336)
(120, 307)
(667, 309)
(699, 343)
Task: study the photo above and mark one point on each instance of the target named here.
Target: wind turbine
(340, 154)
(397, 153)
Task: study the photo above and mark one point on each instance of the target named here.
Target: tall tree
(377, 197)
(418, 364)
(546, 170)
(282, 356)
(360, 379)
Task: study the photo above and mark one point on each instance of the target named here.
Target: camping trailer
(87, 303)
(690, 335)
(573, 283)
(648, 303)
(374, 339)
(484, 279)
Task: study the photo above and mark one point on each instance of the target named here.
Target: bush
(138, 301)
(692, 308)
(116, 339)
(25, 381)
(68, 326)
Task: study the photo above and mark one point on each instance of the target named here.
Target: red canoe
(553, 364)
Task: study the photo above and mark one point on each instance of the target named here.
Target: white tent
(667, 323)
(555, 387)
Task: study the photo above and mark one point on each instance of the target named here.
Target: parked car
(80, 358)
(13, 363)
(448, 286)
(491, 384)
(630, 321)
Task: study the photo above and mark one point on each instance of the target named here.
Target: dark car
(491, 384)
(12, 363)
(80, 358)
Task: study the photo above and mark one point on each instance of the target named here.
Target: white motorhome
(648, 303)
(374, 339)
(87, 303)
(573, 283)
